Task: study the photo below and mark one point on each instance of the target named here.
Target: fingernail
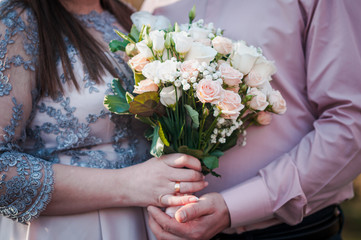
(206, 184)
(182, 216)
(194, 199)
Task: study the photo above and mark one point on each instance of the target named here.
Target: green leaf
(118, 88)
(138, 77)
(116, 104)
(134, 33)
(217, 153)
(145, 104)
(194, 115)
(129, 97)
(125, 37)
(162, 135)
(211, 162)
(116, 45)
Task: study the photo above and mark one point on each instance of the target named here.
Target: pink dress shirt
(307, 158)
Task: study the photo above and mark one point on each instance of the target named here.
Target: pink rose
(222, 45)
(264, 118)
(231, 105)
(138, 62)
(190, 67)
(146, 85)
(231, 76)
(278, 102)
(210, 91)
(258, 101)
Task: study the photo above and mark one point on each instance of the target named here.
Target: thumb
(192, 211)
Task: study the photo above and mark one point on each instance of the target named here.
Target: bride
(68, 168)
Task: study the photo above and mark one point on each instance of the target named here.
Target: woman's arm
(79, 189)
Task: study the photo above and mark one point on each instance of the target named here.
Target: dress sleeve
(26, 182)
(328, 158)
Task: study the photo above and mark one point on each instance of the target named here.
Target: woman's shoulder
(18, 26)
(17, 17)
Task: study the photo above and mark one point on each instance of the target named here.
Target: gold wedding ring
(177, 187)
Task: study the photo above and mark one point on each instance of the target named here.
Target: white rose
(145, 18)
(260, 73)
(201, 53)
(167, 70)
(169, 96)
(182, 42)
(144, 49)
(258, 101)
(222, 45)
(198, 33)
(244, 57)
(266, 88)
(158, 40)
(278, 102)
(150, 70)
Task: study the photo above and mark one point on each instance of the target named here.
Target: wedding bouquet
(197, 89)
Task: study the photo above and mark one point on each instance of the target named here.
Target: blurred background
(352, 211)
(351, 208)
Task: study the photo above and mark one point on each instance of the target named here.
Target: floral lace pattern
(55, 129)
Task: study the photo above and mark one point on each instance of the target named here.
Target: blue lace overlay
(26, 157)
(25, 195)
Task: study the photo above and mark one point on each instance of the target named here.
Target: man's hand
(200, 220)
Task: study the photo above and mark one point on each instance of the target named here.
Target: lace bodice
(73, 129)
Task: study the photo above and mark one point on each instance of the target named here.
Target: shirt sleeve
(26, 182)
(328, 158)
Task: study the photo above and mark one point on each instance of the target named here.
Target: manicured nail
(194, 199)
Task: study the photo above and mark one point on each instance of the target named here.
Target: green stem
(201, 127)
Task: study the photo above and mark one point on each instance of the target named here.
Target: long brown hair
(55, 22)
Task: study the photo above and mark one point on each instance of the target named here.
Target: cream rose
(146, 85)
(258, 101)
(201, 53)
(210, 91)
(244, 57)
(169, 96)
(182, 42)
(230, 76)
(231, 105)
(222, 45)
(264, 118)
(278, 102)
(260, 73)
(138, 62)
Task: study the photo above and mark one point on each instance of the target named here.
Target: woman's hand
(154, 181)
(201, 220)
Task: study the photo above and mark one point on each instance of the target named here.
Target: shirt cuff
(248, 203)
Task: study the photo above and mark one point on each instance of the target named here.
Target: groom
(287, 182)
